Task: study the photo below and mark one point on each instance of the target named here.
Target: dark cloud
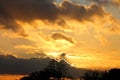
(63, 56)
(25, 10)
(80, 12)
(62, 36)
(29, 10)
(12, 65)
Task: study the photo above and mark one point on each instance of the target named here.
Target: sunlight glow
(54, 54)
(10, 77)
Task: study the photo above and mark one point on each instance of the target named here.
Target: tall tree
(57, 69)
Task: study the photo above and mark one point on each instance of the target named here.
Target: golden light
(55, 55)
(87, 37)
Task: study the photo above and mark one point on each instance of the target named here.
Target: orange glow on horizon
(10, 77)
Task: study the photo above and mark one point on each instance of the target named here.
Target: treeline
(55, 71)
(112, 74)
(58, 71)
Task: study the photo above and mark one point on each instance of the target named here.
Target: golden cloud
(116, 2)
(102, 39)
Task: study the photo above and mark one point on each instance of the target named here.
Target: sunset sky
(87, 31)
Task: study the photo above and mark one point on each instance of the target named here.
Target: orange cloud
(102, 39)
(116, 2)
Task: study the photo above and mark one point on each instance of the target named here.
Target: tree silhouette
(52, 68)
(93, 75)
(55, 69)
(25, 78)
(113, 74)
(61, 69)
(40, 75)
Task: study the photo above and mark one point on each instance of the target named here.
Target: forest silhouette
(55, 70)
(59, 71)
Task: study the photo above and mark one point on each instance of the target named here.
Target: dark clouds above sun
(87, 30)
(29, 10)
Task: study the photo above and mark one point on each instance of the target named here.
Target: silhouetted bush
(25, 78)
(113, 74)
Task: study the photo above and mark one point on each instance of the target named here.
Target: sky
(87, 31)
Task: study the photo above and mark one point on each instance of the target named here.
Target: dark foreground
(59, 71)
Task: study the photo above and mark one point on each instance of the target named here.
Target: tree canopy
(55, 69)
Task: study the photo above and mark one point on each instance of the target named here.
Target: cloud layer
(25, 10)
(81, 12)
(113, 2)
(29, 10)
(12, 65)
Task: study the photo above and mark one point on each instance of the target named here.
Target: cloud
(81, 12)
(102, 1)
(25, 10)
(12, 25)
(102, 40)
(56, 36)
(13, 65)
(116, 2)
(3, 52)
(108, 2)
(25, 46)
(30, 10)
